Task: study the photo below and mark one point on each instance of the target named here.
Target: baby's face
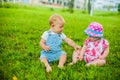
(93, 38)
(58, 28)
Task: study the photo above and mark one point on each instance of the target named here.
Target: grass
(21, 27)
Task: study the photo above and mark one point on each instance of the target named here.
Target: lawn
(21, 27)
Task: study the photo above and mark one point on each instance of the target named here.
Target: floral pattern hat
(95, 30)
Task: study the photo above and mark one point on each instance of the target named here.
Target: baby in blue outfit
(51, 42)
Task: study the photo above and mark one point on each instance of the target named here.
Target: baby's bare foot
(71, 63)
(48, 69)
(61, 66)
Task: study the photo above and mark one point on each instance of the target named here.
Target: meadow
(21, 27)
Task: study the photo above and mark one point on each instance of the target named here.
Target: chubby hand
(46, 48)
(77, 47)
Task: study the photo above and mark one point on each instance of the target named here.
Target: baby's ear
(52, 25)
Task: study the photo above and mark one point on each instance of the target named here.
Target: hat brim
(93, 33)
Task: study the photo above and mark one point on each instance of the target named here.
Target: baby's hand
(77, 47)
(46, 48)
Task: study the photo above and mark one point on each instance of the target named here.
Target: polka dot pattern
(94, 29)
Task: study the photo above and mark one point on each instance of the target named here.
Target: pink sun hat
(95, 30)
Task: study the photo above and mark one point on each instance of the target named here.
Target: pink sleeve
(105, 44)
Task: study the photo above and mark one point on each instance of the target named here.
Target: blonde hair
(56, 18)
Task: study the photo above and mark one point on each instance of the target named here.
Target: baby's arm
(42, 44)
(105, 53)
(72, 43)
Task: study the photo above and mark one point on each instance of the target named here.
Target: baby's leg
(97, 62)
(75, 56)
(62, 60)
(48, 67)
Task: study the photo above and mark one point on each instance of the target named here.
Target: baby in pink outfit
(95, 48)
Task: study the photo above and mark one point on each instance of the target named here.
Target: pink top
(94, 49)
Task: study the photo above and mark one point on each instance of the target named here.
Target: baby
(95, 48)
(51, 41)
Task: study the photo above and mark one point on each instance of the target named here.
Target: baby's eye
(61, 26)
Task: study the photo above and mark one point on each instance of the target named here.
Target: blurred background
(89, 5)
